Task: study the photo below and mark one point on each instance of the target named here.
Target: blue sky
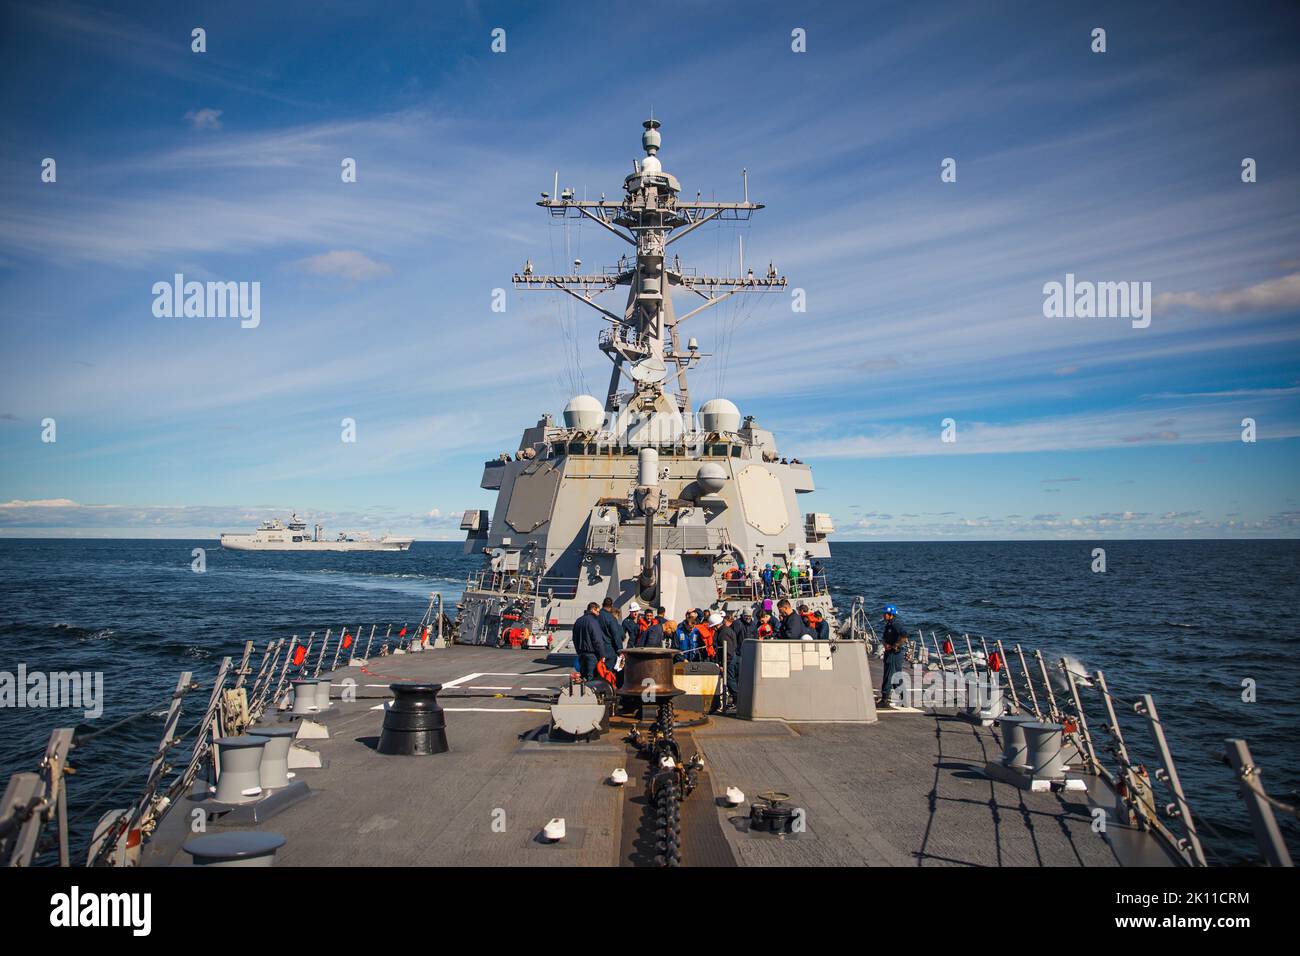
(924, 298)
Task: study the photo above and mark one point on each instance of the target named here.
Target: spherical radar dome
(711, 477)
(719, 415)
(584, 413)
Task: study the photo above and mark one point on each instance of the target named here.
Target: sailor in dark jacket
(823, 626)
(892, 637)
(613, 631)
(632, 625)
(727, 641)
(588, 641)
(793, 627)
(653, 635)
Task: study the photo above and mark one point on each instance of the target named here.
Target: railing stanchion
(1024, 668)
(1267, 834)
(1184, 812)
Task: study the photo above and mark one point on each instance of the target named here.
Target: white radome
(711, 477)
(584, 413)
(719, 415)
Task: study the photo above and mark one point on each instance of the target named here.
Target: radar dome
(584, 413)
(719, 415)
(711, 477)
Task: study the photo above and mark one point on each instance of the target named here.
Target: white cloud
(344, 264)
(206, 118)
(1195, 425)
(1272, 295)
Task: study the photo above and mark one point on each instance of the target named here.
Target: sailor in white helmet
(632, 626)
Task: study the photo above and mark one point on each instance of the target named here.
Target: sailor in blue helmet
(893, 639)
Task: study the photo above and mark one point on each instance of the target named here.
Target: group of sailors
(776, 579)
(600, 634)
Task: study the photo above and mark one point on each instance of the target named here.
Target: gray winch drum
(322, 693)
(274, 769)
(237, 848)
(304, 697)
(1014, 747)
(1046, 753)
(240, 760)
(414, 724)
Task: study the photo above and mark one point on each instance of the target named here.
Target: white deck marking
(487, 710)
(537, 675)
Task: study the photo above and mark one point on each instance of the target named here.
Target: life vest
(947, 645)
(764, 630)
(347, 640)
(995, 662)
(605, 674)
(299, 655)
(706, 635)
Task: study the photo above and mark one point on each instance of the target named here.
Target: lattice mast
(643, 341)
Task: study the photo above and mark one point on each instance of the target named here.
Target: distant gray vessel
(274, 535)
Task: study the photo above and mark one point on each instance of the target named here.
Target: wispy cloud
(1075, 432)
(344, 264)
(1272, 295)
(206, 118)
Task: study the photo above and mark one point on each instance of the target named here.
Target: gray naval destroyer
(639, 497)
(434, 744)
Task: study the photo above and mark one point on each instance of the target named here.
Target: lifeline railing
(1129, 780)
(35, 801)
(515, 584)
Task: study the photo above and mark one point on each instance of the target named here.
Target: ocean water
(1187, 621)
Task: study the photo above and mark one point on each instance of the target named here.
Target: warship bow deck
(905, 791)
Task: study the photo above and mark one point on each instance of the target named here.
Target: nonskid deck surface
(905, 791)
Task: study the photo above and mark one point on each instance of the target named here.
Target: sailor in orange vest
(650, 633)
(703, 635)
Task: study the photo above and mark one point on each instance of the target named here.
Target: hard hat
(715, 619)
(634, 608)
(890, 609)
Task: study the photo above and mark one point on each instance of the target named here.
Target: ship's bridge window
(719, 450)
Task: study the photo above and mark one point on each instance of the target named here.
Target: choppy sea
(1198, 624)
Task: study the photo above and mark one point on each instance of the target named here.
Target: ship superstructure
(275, 535)
(640, 497)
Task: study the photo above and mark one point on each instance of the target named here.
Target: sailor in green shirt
(778, 577)
(794, 578)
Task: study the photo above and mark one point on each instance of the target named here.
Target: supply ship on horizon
(274, 535)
